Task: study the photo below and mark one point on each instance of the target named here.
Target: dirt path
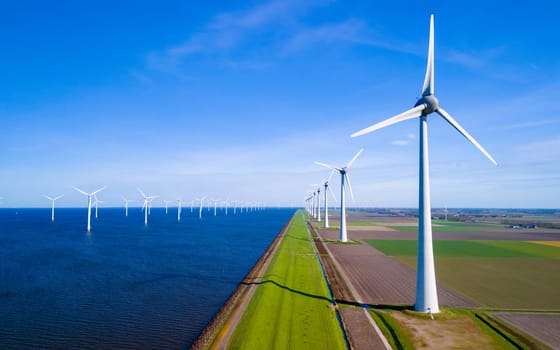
(360, 326)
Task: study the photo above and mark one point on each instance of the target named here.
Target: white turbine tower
(201, 200)
(179, 210)
(126, 201)
(317, 214)
(343, 180)
(97, 201)
(426, 290)
(52, 208)
(146, 205)
(166, 205)
(226, 203)
(89, 195)
(327, 189)
(215, 205)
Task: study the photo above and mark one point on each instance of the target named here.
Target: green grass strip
(397, 337)
(291, 308)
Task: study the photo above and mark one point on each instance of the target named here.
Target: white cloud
(404, 142)
(400, 142)
(351, 31)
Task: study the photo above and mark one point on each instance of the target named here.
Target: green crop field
(438, 225)
(458, 248)
(506, 283)
(291, 307)
(494, 274)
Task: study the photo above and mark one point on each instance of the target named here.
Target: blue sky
(238, 99)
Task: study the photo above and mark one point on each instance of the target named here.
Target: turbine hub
(431, 102)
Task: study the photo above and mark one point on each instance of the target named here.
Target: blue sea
(123, 285)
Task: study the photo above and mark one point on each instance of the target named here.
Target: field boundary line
(356, 295)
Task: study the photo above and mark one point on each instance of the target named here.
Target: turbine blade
(99, 190)
(353, 159)
(428, 87)
(349, 186)
(411, 113)
(81, 191)
(332, 193)
(463, 132)
(142, 193)
(330, 176)
(328, 166)
(56, 198)
(47, 197)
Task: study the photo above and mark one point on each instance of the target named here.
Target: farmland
(497, 276)
(493, 274)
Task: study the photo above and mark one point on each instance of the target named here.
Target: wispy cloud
(545, 151)
(473, 60)
(531, 124)
(404, 142)
(350, 31)
(228, 31)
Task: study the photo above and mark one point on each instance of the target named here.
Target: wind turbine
(343, 176)
(426, 290)
(126, 201)
(89, 195)
(215, 205)
(166, 205)
(179, 210)
(200, 206)
(317, 214)
(226, 203)
(146, 205)
(327, 189)
(97, 201)
(53, 200)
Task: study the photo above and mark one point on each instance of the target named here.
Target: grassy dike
(291, 308)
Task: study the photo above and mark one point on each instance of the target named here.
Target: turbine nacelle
(430, 103)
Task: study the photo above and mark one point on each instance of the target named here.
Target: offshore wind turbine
(426, 290)
(97, 201)
(200, 206)
(52, 208)
(179, 210)
(343, 180)
(166, 205)
(89, 195)
(126, 201)
(226, 203)
(215, 205)
(146, 205)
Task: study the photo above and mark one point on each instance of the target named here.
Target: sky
(237, 100)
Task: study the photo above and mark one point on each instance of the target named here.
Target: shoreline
(215, 335)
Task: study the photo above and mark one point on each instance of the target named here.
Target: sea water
(124, 284)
